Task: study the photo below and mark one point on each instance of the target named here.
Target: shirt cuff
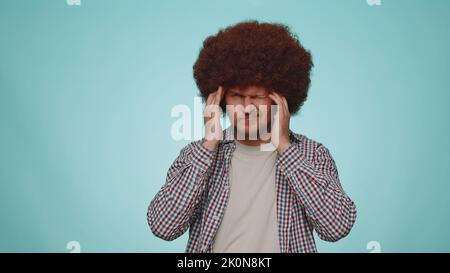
(201, 156)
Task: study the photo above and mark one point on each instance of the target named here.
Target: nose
(249, 106)
(247, 101)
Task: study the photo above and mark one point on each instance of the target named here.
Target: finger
(280, 97)
(285, 104)
(214, 94)
(278, 102)
(218, 95)
(209, 99)
(222, 93)
(275, 98)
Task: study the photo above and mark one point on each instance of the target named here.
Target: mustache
(246, 116)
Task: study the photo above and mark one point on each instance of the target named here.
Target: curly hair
(251, 53)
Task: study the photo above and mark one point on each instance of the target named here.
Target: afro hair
(251, 53)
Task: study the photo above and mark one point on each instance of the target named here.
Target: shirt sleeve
(316, 183)
(172, 209)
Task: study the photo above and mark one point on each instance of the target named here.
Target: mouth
(250, 116)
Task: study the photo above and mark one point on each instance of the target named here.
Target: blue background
(86, 94)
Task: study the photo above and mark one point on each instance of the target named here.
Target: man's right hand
(212, 114)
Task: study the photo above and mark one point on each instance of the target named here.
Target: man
(256, 186)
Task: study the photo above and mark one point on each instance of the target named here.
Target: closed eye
(253, 97)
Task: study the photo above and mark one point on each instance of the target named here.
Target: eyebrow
(256, 95)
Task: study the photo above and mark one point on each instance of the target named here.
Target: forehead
(251, 90)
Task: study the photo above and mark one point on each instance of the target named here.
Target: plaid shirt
(309, 196)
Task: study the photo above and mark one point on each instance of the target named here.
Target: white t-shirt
(250, 221)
